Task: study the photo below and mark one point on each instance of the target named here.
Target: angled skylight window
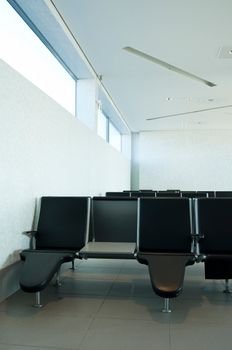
(24, 51)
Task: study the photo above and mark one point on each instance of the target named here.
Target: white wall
(44, 150)
(186, 160)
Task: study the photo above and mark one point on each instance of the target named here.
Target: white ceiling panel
(193, 35)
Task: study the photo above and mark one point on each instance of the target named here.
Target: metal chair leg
(166, 308)
(57, 282)
(37, 302)
(73, 266)
(227, 289)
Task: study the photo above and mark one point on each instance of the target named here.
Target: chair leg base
(166, 308)
(227, 289)
(166, 311)
(37, 304)
(57, 281)
(73, 266)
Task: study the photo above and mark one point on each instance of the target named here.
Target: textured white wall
(186, 160)
(44, 150)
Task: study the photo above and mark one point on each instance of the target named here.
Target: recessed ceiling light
(167, 65)
(169, 98)
(210, 99)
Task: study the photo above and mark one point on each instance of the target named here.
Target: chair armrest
(30, 234)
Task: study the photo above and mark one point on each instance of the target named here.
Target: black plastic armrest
(30, 234)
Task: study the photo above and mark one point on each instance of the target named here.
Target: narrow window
(115, 138)
(24, 51)
(102, 125)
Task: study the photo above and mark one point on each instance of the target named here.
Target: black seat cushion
(39, 268)
(166, 271)
(61, 232)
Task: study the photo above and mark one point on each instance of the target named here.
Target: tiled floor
(109, 305)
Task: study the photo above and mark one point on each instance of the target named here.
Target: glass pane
(114, 137)
(25, 52)
(102, 125)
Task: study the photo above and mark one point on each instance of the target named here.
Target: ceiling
(193, 35)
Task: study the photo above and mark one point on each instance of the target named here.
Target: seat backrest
(63, 223)
(208, 193)
(143, 194)
(223, 193)
(188, 194)
(177, 191)
(118, 194)
(114, 219)
(167, 194)
(214, 221)
(164, 225)
(194, 194)
(201, 194)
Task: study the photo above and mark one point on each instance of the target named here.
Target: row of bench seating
(170, 193)
(77, 227)
(165, 233)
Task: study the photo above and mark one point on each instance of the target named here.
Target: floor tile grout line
(100, 306)
(86, 332)
(24, 346)
(92, 320)
(113, 282)
(169, 334)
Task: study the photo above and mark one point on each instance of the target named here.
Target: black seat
(223, 194)
(214, 221)
(35, 279)
(173, 190)
(193, 194)
(114, 228)
(188, 194)
(164, 242)
(118, 194)
(168, 194)
(208, 193)
(139, 194)
(61, 233)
